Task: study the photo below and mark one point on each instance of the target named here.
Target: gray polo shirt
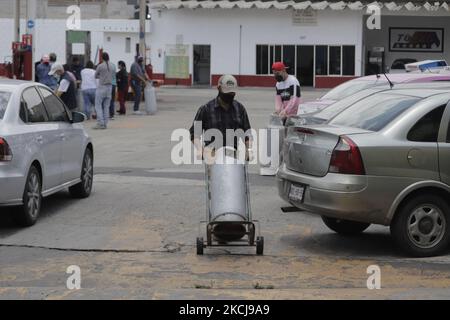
(104, 73)
(136, 71)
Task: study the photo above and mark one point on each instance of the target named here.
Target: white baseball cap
(228, 83)
(56, 67)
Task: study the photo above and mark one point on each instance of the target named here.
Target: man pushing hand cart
(228, 214)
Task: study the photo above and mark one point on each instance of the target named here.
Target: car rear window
(337, 107)
(4, 100)
(350, 87)
(375, 112)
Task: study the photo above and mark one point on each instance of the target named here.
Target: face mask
(279, 78)
(227, 97)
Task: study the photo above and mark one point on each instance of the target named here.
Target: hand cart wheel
(251, 234)
(200, 246)
(259, 246)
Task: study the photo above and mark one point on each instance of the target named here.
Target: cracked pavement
(134, 238)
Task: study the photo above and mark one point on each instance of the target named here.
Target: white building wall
(51, 37)
(220, 29)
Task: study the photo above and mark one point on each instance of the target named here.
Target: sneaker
(137, 113)
(98, 126)
(111, 118)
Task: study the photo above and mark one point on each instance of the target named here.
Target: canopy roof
(300, 4)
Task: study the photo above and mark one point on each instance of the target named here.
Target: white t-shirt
(288, 88)
(63, 85)
(88, 80)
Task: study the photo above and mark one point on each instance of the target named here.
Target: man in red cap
(288, 91)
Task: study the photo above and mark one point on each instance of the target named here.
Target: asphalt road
(134, 238)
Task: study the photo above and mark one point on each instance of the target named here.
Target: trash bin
(228, 188)
(150, 99)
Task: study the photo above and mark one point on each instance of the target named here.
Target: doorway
(305, 65)
(202, 65)
(78, 43)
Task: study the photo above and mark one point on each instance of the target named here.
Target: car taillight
(346, 158)
(5, 151)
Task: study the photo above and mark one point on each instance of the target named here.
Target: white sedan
(43, 149)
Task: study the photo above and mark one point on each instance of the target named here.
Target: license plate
(296, 193)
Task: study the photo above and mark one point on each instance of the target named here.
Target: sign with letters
(416, 39)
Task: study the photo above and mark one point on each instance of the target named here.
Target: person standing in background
(103, 93)
(53, 84)
(88, 88)
(42, 71)
(76, 68)
(67, 86)
(113, 92)
(122, 86)
(138, 81)
(288, 94)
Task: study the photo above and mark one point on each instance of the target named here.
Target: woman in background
(122, 86)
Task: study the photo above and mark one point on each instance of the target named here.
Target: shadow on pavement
(366, 245)
(50, 207)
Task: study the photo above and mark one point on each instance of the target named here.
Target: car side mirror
(78, 117)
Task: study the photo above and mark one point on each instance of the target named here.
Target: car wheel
(345, 227)
(84, 188)
(421, 227)
(28, 213)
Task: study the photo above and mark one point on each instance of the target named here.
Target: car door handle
(40, 139)
(62, 136)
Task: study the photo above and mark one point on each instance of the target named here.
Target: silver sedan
(43, 149)
(385, 160)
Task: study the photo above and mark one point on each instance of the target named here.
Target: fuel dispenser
(23, 58)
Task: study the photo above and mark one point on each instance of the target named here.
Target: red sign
(27, 40)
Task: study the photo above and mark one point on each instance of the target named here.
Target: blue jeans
(137, 93)
(102, 103)
(89, 101)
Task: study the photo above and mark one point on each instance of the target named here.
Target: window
(272, 55)
(277, 53)
(374, 112)
(427, 128)
(33, 108)
(55, 108)
(345, 102)
(348, 60)
(289, 57)
(346, 89)
(4, 100)
(321, 60)
(262, 59)
(335, 61)
(127, 45)
(328, 60)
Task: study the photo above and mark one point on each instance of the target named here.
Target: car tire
(27, 214)
(84, 188)
(421, 227)
(345, 227)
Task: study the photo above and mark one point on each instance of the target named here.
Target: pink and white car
(350, 87)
